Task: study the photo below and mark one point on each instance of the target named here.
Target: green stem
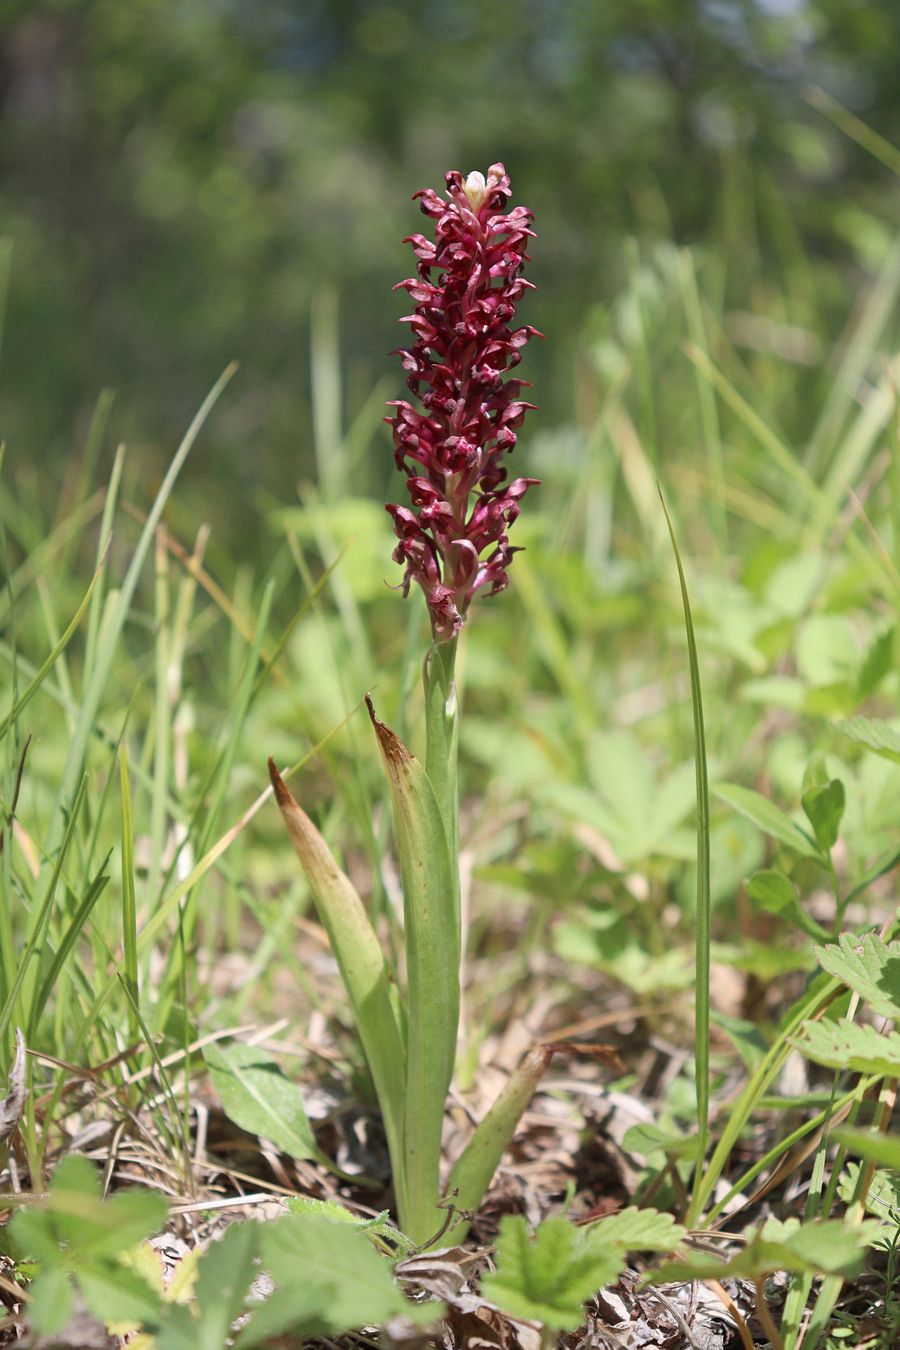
(442, 744)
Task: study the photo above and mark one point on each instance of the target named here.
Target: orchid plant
(453, 542)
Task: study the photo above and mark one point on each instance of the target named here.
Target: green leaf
(52, 1300)
(637, 1230)
(431, 924)
(844, 1045)
(90, 1228)
(824, 807)
(364, 971)
(326, 1209)
(820, 1247)
(883, 1194)
(256, 1095)
(874, 734)
(872, 1144)
(769, 817)
(478, 1161)
(886, 863)
(869, 966)
(548, 1279)
(645, 1139)
(115, 1294)
(751, 1044)
(329, 1280)
(878, 660)
(225, 1273)
(777, 894)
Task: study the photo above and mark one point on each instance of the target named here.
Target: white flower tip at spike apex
(475, 188)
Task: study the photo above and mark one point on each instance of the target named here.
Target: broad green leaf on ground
(821, 1247)
(844, 1045)
(328, 1280)
(769, 817)
(777, 893)
(549, 1277)
(874, 734)
(869, 966)
(257, 1096)
(636, 1230)
(824, 807)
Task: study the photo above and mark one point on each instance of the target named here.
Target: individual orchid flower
(463, 348)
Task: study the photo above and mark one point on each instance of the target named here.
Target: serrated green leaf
(548, 1279)
(115, 1294)
(99, 1228)
(777, 894)
(326, 1209)
(868, 965)
(844, 1045)
(878, 660)
(329, 1280)
(34, 1235)
(882, 1197)
(874, 734)
(824, 807)
(225, 1272)
(821, 1247)
(769, 817)
(256, 1095)
(637, 1230)
(52, 1300)
(75, 1173)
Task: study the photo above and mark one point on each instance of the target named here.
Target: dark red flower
(463, 348)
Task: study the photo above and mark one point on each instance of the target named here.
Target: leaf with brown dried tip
(364, 969)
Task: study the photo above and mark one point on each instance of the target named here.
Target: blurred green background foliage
(186, 182)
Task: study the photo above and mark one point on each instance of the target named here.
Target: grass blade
(701, 1032)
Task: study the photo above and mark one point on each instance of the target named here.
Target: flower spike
(463, 348)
